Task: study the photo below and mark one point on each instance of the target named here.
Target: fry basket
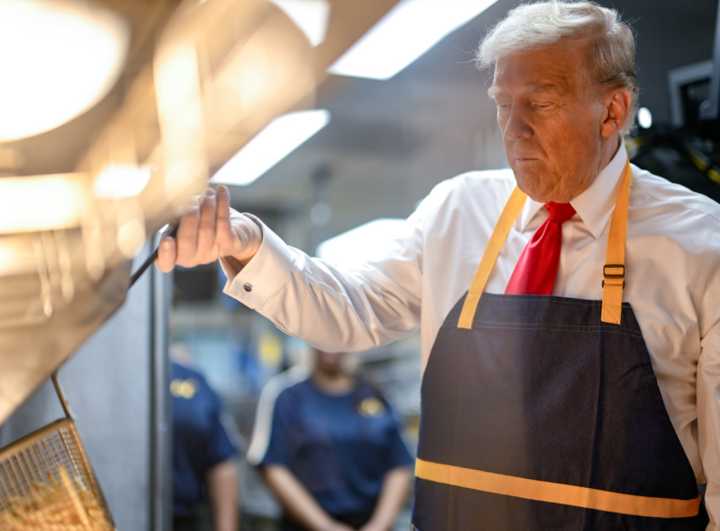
(47, 482)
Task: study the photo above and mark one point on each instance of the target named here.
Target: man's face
(550, 114)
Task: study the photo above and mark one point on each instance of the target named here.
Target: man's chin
(528, 183)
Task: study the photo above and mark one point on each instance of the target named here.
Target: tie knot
(560, 212)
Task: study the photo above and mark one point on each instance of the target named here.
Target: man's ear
(618, 106)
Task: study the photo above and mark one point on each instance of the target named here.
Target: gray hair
(543, 23)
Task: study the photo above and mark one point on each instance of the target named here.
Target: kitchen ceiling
(389, 141)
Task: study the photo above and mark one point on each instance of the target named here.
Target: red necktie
(537, 267)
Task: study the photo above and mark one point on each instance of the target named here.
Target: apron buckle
(614, 275)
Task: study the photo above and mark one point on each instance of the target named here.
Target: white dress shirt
(415, 276)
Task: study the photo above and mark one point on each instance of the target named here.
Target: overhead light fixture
(280, 138)
(311, 16)
(409, 30)
(644, 118)
(48, 202)
(351, 247)
(58, 58)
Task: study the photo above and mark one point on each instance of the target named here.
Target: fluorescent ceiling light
(280, 138)
(47, 202)
(351, 248)
(58, 58)
(311, 16)
(409, 30)
(356, 246)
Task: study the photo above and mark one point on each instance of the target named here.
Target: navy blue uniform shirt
(340, 447)
(200, 440)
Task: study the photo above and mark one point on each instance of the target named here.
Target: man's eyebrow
(533, 88)
(546, 87)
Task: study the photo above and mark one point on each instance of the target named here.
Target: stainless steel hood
(78, 202)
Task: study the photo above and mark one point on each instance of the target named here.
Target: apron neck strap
(613, 281)
(509, 215)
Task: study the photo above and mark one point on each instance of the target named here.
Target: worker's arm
(222, 481)
(297, 501)
(392, 497)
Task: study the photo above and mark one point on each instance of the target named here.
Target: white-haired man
(568, 310)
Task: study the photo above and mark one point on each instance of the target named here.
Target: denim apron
(543, 413)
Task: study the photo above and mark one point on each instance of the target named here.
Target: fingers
(166, 254)
(206, 246)
(225, 235)
(206, 232)
(194, 242)
(237, 236)
(187, 235)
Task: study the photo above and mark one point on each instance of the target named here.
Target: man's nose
(517, 126)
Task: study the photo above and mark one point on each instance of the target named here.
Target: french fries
(58, 505)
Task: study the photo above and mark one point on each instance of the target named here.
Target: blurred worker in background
(204, 453)
(330, 449)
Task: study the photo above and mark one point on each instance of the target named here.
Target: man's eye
(541, 105)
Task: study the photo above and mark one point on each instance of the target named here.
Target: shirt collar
(594, 205)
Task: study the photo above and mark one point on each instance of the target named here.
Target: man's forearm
(222, 487)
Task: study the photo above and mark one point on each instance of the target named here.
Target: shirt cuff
(264, 275)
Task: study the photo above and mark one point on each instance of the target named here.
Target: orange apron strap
(613, 281)
(560, 493)
(613, 270)
(510, 213)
